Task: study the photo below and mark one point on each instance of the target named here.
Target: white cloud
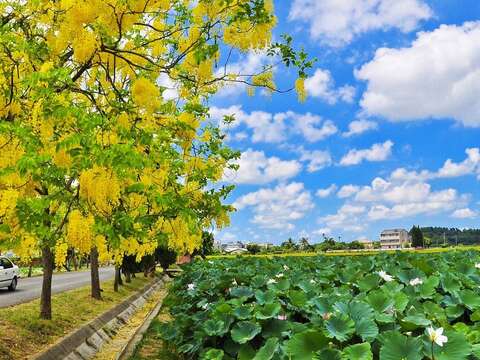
(378, 152)
(450, 169)
(277, 208)
(171, 87)
(437, 77)
(338, 22)
(393, 200)
(322, 86)
(324, 193)
(347, 219)
(347, 191)
(469, 166)
(358, 127)
(465, 213)
(317, 160)
(275, 128)
(397, 197)
(312, 127)
(256, 168)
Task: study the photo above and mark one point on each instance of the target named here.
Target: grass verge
(24, 334)
(152, 346)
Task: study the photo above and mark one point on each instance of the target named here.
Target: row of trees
(106, 147)
(303, 245)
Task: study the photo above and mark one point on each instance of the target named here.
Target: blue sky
(389, 136)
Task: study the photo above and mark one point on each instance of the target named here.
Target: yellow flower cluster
(62, 159)
(300, 89)
(61, 252)
(145, 94)
(84, 45)
(27, 248)
(182, 235)
(104, 254)
(100, 188)
(8, 202)
(80, 231)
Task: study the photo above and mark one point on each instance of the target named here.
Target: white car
(9, 274)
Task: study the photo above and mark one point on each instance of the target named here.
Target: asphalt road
(30, 288)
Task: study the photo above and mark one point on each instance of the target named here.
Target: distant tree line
(451, 236)
(303, 245)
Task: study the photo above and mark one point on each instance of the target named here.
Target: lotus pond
(388, 307)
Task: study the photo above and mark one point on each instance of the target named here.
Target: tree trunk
(30, 269)
(74, 260)
(46, 296)
(118, 279)
(95, 277)
(128, 279)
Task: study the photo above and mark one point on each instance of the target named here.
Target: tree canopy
(105, 137)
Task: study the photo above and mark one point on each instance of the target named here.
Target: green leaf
(340, 327)
(367, 329)
(298, 298)
(470, 299)
(454, 311)
(245, 331)
(328, 354)
(415, 321)
(268, 311)
(213, 354)
(214, 327)
(241, 291)
(264, 297)
(427, 289)
(450, 283)
(267, 351)
(304, 345)
(358, 352)
(396, 346)
(243, 312)
(368, 282)
(246, 352)
(379, 301)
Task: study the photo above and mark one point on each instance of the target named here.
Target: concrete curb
(84, 343)
(132, 344)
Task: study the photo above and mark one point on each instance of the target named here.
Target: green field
(387, 306)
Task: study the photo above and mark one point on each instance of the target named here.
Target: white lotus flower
(278, 276)
(436, 336)
(191, 287)
(271, 281)
(285, 267)
(234, 282)
(385, 276)
(282, 317)
(313, 281)
(477, 265)
(205, 306)
(416, 281)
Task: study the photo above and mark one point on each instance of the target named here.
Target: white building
(394, 239)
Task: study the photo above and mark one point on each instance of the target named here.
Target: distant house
(394, 239)
(368, 244)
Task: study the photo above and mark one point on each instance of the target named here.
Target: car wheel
(13, 285)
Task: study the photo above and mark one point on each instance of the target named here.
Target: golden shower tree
(93, 153)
